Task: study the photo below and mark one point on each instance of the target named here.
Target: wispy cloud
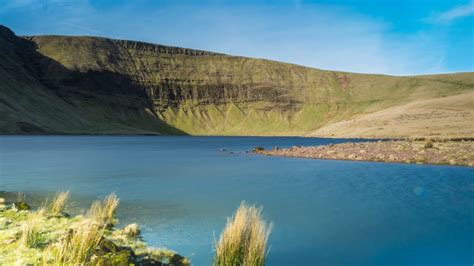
(89, 30)
(322, 36)
(453, 13)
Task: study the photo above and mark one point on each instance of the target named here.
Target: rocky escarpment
(99, 85)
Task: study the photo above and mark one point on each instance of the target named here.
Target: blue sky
(390, 37)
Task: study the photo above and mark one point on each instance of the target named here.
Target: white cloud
(321, 36)
(453, 13)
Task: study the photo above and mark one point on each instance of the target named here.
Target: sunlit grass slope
(97, 85)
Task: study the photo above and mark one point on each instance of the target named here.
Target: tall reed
(104, 212)
(30, 236)
(59, 202)
(244, 238)
(77, 246)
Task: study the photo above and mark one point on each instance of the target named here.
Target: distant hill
(90, 85)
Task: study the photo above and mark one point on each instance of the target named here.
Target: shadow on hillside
(108, 96)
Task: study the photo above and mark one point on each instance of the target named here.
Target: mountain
(90, 85)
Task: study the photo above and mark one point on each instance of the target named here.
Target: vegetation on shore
(404, 151)
(49, 236)
(244, 239)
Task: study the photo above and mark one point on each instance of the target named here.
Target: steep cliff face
(38, 95)
(155, 88)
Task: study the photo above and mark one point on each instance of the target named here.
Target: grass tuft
(77, 246)
(244, 238)
(59, 202)
(104, 212)
(30, 234)
(132, 230)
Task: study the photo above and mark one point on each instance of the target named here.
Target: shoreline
(375, 138)
(48, 235)
(452, 152)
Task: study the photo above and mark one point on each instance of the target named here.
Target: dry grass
(30, 234)
(59, 202)
(20, 197)
(445, 117)
(244, 239)
(104, 212)
(42, 210)
(132, 230)
(428, 145)
(77, 246)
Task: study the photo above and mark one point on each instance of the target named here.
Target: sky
(402, 37)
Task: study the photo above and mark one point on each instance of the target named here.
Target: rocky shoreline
(445, 152)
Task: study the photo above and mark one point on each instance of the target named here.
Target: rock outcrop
(89, 85)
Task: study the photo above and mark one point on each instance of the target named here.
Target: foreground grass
(244, 239)
(49, 236)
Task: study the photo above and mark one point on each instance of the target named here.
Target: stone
(22, 206)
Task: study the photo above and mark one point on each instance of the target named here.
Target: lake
(324, 212)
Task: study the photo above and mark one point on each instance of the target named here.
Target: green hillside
(89, 85)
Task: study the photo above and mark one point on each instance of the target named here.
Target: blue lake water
(181, 189)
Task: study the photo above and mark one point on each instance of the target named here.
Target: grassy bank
(50, 236)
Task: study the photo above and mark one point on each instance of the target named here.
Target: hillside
(89, 85)
(451, 116)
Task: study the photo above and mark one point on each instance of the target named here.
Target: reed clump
(244, 238)
(30, 235)
(77, 246)
(104, 212)
(132, 230)
(40, 238)
(59, 203)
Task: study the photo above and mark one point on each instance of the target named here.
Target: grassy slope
(28, 106)
(213, 94)
(446, 117)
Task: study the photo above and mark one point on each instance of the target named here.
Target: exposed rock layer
(88, 85)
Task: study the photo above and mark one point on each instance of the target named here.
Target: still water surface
(324, 212)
